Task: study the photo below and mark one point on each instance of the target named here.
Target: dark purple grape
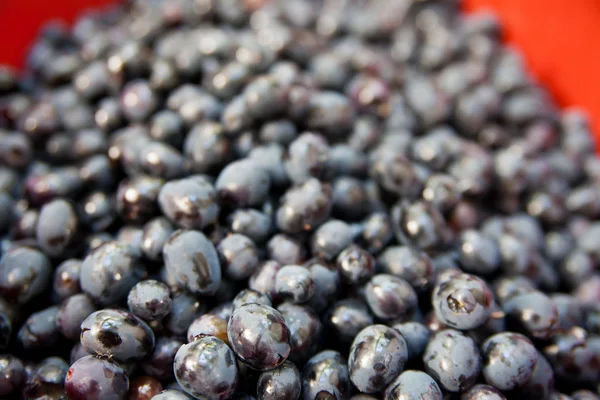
(307, 157)
(223, 310)
(281, 382)
(73, 311)
(549, 208)
(161, 160)
(327, 284)
(369, 94)
(442, 191)
(137, 198)
(259, 336)
(171, 394)
(263, 279)
(190, 203)
(463, 302)
(40, 120)
(206, 368)
(228, 80)
(92, 378)
(59, 182)
(8, 79)
(243, 183)
(509, 360)
(453, 360)
(304, 207)
(409, 264)
(325, 376)
(577, 267)
(541, 382)
(108, 114)
(24, 223)
(24, 273)
(377, 232)
(206, 147)
(8, 180)
(264, 97)
(239, 256)
(295, 283)
(286, 249)
(413, 385)
(416, 336)
(245, 296)
(208, 324)
(584, 395)
(508, 287)
(110, 271)
(117, 334)
(473, 173)
(560, 396)
(330, 239)
(193, 262)
(478, 254)
(355, 264)
(570, 311)
(194, 105)
(93, 80)
(66, 278)
(346, 318)
(156, 233)
(390, 297)
(88, 142)
(7, 318)
(97, 171)
(149, 300)
(125, 146)
(144, 387)
(329, 112)
(299, 96)
(587, 292)
(482, 392)
(97, 211)
(166, 126)
(305, 331)
(419, 224)
(534, 313)
(558, 245)
(58, 228)
(246, 143)
(394, 172)
(12, 374)
(15, 149)
(48, 379)
(252, 223)
(584, 200)
(130, 235)
(377, 356)
(271, 159)
(137, 101)
(160, 363)
(329, 71)
(572, 355)
(185, 308)
(40, 330)
(279, 131)
(236, 116)
(591, 319)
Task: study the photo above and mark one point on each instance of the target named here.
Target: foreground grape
(293, 199)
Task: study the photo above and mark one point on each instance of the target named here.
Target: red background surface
(560, 39)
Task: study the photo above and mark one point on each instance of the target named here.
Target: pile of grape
(293, 199)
